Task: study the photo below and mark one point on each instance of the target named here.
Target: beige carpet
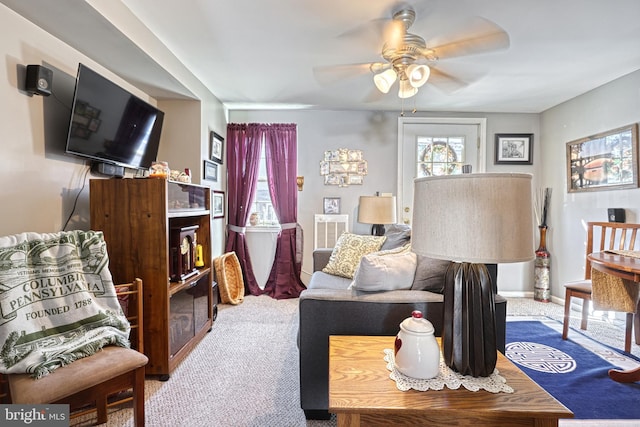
(245, 371)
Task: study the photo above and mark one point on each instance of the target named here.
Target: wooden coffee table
(361, 393)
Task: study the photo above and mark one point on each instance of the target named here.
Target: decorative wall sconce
(343, 167)
(300, 182)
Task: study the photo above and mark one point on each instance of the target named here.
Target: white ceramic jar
(417, 354)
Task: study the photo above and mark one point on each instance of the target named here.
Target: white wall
(40, 183)
(611, 106)
(373, 133)
(376, 134)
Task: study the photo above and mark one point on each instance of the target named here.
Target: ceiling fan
(411, 61)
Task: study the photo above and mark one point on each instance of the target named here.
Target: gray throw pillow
(430, 274)
(397, 236)
(385, 270)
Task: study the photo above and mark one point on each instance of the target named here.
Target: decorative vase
(542, 269)
(469, 325)
(254, 218)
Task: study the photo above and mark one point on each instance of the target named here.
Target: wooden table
(628, 268)
(361, 393)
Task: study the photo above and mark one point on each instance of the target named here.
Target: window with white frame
(262, 212)
(440, 155)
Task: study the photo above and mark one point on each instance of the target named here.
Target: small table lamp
(377, 210)
(473, 220)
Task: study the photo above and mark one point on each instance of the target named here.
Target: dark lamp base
(377, 230)
(469, 327)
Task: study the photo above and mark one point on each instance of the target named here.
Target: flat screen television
(110, 125)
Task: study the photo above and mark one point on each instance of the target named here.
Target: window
(262, 213)
(440, 155)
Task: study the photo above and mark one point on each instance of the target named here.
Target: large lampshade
(377, 210)
(479, 218)
(472, 219)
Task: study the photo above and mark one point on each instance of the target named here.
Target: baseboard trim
(520, 294)
(516, 294)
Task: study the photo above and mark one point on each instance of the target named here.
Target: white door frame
(481, 122)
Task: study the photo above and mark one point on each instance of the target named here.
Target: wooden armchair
(88, 382)
(608, 236)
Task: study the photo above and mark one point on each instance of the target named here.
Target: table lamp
(377, 210)
(473, 220)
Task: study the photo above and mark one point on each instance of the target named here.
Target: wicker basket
(229, 278)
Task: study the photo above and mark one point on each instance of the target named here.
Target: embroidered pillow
(349, 248)
(388, 270)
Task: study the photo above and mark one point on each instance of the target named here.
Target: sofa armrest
(321, 258)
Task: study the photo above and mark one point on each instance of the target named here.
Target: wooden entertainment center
(154, 229)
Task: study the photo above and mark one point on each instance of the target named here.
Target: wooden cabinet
(139, 219)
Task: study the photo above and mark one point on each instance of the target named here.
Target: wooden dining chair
(87, 384)
(607, 236)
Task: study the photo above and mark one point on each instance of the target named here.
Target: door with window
(436, 146)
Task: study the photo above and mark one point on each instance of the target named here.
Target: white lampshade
(406, 90)
(377, 210)
(478, 218)
(385, 80)
(418, 75)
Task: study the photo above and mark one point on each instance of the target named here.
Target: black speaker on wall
(616, 215)
(38, 81)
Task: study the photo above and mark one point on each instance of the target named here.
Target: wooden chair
(88, 382)
(609, 236)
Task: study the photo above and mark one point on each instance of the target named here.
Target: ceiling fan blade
(326, 75)
(447, 82)
(484, 36)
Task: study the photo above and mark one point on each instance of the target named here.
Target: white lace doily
(446, 378)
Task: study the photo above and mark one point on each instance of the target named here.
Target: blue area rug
(574, 371)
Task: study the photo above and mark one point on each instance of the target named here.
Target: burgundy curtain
(243, 161)
(281, 158)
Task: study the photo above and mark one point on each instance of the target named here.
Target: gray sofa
(327, 308)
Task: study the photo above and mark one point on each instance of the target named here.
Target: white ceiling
(262, 54)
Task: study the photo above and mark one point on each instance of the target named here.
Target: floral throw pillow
(348, 251)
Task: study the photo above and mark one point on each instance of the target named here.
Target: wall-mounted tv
(110, 125)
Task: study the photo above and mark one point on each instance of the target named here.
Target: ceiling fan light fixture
(385, 80)
(418, 75)
(406, 90)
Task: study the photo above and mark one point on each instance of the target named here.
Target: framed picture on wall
(514, 149)
(217, 205)
(331, 206)
(210, 171)
(605, 161)
(217, 147)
